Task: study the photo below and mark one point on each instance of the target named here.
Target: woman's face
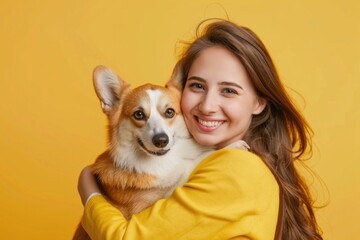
(218, 100)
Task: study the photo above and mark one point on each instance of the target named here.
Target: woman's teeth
(210, 123)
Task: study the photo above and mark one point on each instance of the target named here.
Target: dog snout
(160, 140)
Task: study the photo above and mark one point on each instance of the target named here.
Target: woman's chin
(206, 141)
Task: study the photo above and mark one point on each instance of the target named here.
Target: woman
(231, 91)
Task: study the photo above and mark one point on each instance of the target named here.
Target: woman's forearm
(87, 185)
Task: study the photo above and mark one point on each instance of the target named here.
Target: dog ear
(108, 87)
(176, 79)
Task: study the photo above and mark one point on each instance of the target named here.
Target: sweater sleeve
(230, 194)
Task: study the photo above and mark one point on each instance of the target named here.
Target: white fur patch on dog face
(157, 123)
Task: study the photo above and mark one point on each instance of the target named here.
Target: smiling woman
(219, 100)
(258, 111)
(230, 91)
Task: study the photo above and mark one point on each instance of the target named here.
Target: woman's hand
(87, 184)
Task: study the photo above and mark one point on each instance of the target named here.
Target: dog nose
(160, 140)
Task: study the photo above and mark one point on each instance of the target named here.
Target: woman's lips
(208, 125)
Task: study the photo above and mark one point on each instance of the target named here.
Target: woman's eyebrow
(196, 78)
(221, 83)
(231, 84)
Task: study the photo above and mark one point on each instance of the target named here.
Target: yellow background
(51, 124)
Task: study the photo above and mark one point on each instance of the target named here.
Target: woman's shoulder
(240, 165)
(237, 176)
(235, 158)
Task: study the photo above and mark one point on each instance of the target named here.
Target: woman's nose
(208, 104)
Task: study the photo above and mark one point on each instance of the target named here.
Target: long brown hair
(279, 135)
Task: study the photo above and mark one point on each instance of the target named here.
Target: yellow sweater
(230, 195)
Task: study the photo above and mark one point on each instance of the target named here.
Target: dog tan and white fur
(150, 150)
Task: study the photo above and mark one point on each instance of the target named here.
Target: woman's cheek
(186, 101)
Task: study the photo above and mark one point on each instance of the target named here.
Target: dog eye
(139, 115)
(169, 113)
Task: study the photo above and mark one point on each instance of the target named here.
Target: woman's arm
(230, 194)
(87, 185)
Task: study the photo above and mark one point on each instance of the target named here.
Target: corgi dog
(150, 150)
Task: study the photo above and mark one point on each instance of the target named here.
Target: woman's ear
(259, 106)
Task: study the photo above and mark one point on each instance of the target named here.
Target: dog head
(143, 120)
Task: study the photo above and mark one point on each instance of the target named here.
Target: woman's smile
(218, 99)
(208, 125)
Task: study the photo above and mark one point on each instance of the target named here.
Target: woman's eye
(139, 115)
(196, 86)
(169, 113)
(229, 91)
